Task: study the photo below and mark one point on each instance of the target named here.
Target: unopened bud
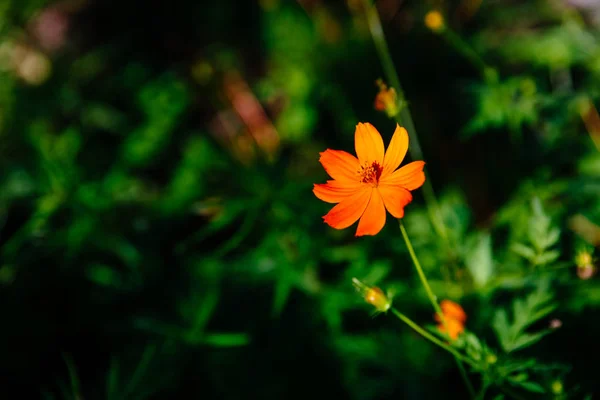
(583, 258)
(585, 264)
(434, 20)
(557, 387)
(586, 272)
(555, 323)
(373, 296)
(386, 100)
(491, 358)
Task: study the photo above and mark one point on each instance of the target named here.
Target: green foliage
(512, 335)
(479, 260)
(510, 104)
(150, 247)
(541, 237)
(162, 101)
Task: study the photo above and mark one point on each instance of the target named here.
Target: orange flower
(455, 318)
(366, 186)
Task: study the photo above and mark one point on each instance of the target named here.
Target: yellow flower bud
(557, 387)
(434, 20)
(585, 264)
(583, 258)
(373, 296)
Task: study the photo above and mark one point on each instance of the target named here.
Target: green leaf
(547, 257)
(531, 386)
(540, 237)
(104, 275)
(226, 339)
(283, 288)
(479, 259)
(502, 327)
(526, 340)
(535, 306)
(523, 250)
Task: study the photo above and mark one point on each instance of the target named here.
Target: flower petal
(395, 199)
(349, 210)
(455, 328)
(373, 218)
(335, 191)
(453, 310)
(410, 177)
(368, 144)
(396, 151)
(340, 165)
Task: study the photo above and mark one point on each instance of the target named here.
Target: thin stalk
(432, 297)
(432, 338)
(433, 300)
(403, 117)
(487, 72)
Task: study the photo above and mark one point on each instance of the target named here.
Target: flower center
(370, 173)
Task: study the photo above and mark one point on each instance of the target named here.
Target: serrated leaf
(552, 237)
(501, 326)
(535, 306)
(523, 251)
(526, 340)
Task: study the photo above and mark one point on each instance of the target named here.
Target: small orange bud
(373, 296)
(454, 326)
(454, 318)
(453, 310)
(434, 20)
(386, 100)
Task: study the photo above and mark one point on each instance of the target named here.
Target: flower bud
(373, 296)
(386, 100)
(583, 258)
(434, 20)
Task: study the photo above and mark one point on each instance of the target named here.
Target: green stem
(432, 338)
(467, 51)
(432, 297)
(403, 117)
(434, 303)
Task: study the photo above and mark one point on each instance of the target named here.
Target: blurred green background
(159, 238)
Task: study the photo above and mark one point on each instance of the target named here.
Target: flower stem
(413, 256)
(432, 338)
(488, 73)
(434, 302)
(403, 117)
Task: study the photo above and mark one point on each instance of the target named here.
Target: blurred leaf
(531, 387)
(479, 259)
(104, 275)
(559, 46)
(188, 182)
(163, 101)
(523, 251)
(226, 339)
(513, 104)
(283, 288)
